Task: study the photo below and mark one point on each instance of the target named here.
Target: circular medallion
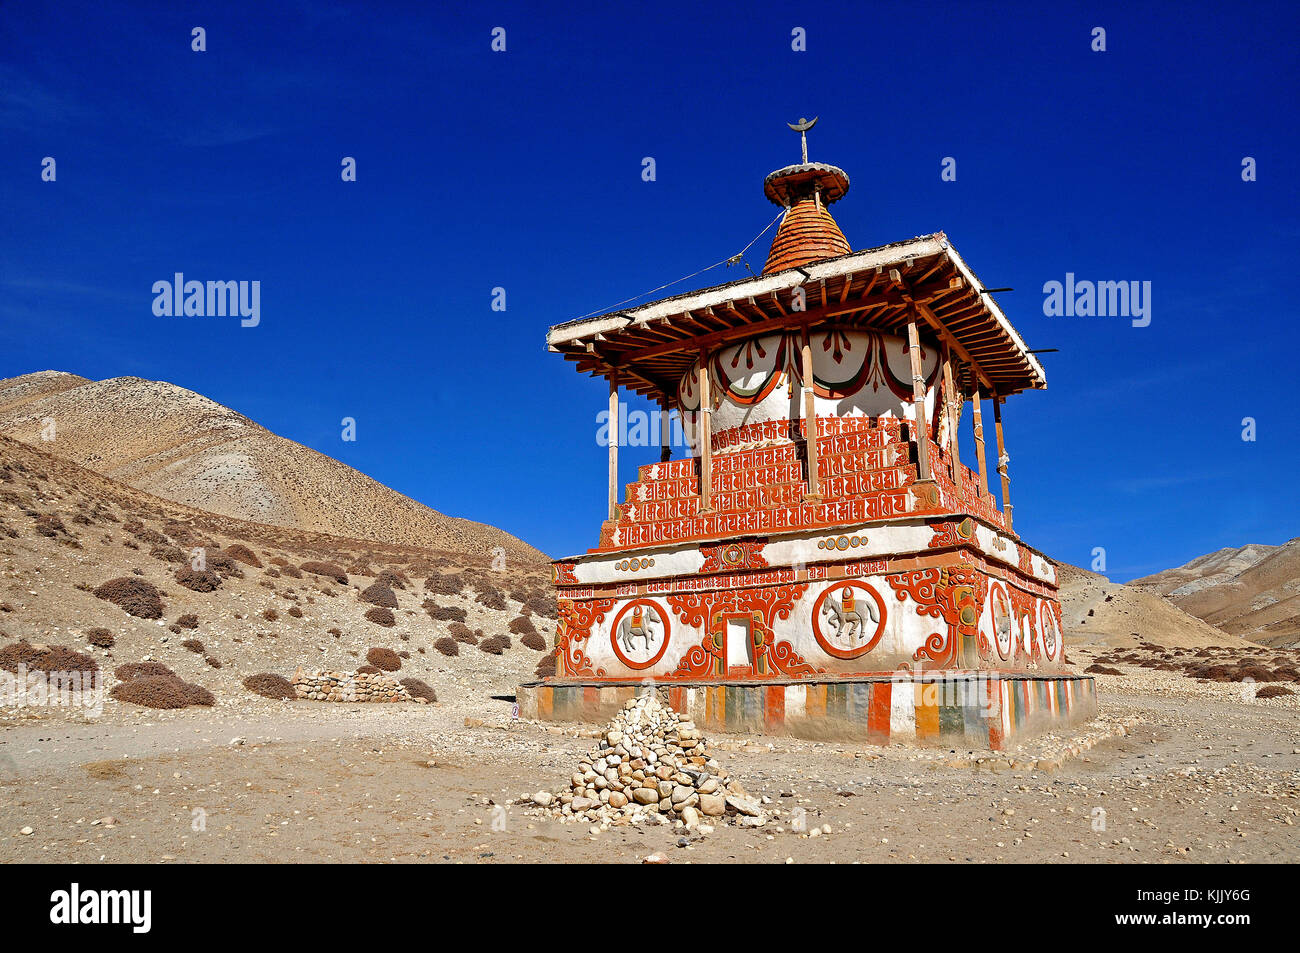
(639, 634)
(848, 619)
(1000, 610)
(1050, 630)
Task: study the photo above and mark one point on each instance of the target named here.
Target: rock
(543, 798)
(580, 804)
(617, 799)
(691, 818)
(26, 832)
(646, 796)
(712, 805)
(743, 805)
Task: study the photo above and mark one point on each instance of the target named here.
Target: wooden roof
(654, 344)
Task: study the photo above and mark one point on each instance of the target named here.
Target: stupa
(821, 561)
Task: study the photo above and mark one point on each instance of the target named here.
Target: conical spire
(807, 233)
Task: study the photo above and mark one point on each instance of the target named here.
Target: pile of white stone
(651, 765)
(350, 687)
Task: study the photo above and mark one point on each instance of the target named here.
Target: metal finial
(802, 127)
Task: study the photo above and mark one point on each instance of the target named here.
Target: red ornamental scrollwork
(573, 631)
(708, 610)
(562, 574)
(950, 594)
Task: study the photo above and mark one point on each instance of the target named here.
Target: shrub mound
(133, 596)
(188, 621)
(546, 667)
(443, 613)
(491, 598)
(242, 554)
(418, 689)
(271, 686)
(49, 658)
(101, 638)
(368, 670)
(199, 580)
(534, 641)
(392, 579)
(133, 670)
(521, 625)
(461, 633)
(381, 616)
(447, 646)
(1273, 691)
(162, 691)
(494, 644)
(328, 570)
(1095, 669)
(383, 658)
(378, 594)
(194, 645)
(445, 584)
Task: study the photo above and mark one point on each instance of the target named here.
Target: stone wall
(350, 687)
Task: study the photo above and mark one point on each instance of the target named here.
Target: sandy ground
(1204, 776)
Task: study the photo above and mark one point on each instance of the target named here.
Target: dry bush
(1273, 691)
(368, 670)
(162, 691)
(101, 638)
(521, 625)
(51, 658)
(271, 686)
(328, 570)
(418, 689)
(461, 633)
(378, 594)
(492, 598)
(194, 645)
(188, 621)
(534, 641)
(443, 613)
(270, 615)
(392, 579)
(199, 580)
(494, 644)
(542, 603)
(546, 667)
(212, 660)
(295, 612)
(241, 553)
(447, 646)
(132, 670)
(167, 554)
(217, 561)
(383, 658)
(1101, 670)
(281, 561)
(49, 525)
(446, 584)
(382, 616)
(134, 596)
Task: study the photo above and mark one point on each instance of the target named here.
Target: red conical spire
(807, 233)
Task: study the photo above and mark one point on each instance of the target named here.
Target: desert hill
(1252, 591)
(1098, 612)
(178, 445)
(270, 599)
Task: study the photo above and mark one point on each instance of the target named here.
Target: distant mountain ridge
(1252, 591)
(181, 446)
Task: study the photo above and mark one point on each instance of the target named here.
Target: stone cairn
(350, 687)
(651, 765)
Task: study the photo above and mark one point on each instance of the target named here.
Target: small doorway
(738, 649)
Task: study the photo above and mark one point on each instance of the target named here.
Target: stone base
(960, 709)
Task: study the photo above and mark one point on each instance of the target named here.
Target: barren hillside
(181, 446)
(270, 598)
(1253, 591)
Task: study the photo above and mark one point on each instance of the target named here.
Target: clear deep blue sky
(522, 169)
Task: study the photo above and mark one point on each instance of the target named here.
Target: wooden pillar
(810, 420)
(975, 399)
(1003, 460)
(921, 421)
(665, 433)
(705, 434)
(613, 444)
(953, 403)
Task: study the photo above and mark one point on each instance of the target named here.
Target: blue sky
(522, 170)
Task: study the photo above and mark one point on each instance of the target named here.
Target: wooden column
(975, 399)
(921, 422)
(613, 444)
(810, 420)
(665, 433)
(1003, 460)
(953, 402)
(705, 434)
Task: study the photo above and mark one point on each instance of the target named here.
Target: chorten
(820, 559)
